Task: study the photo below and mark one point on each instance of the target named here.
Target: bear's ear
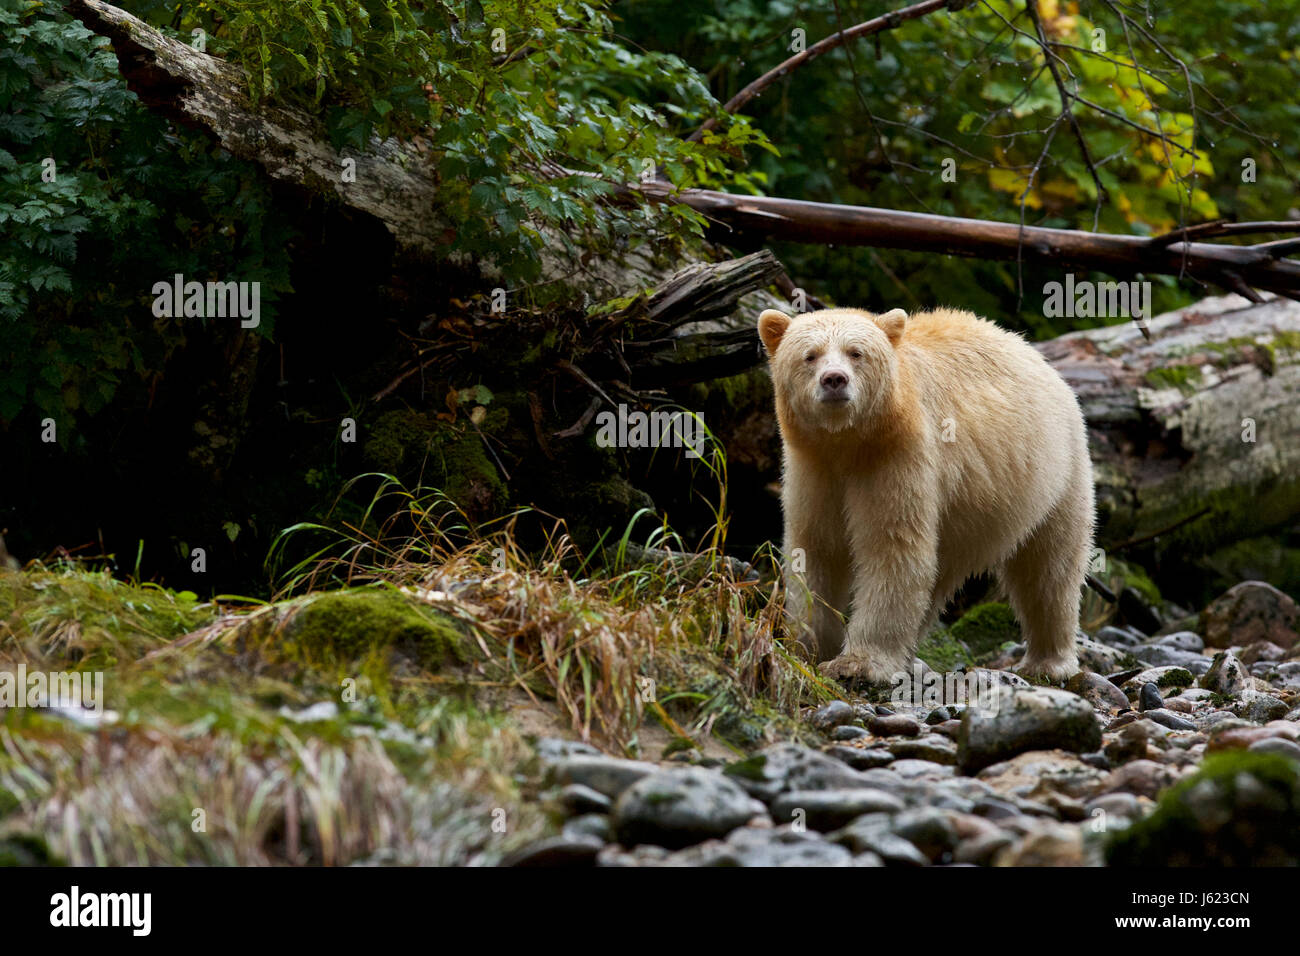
(892, 324)
(771, 327)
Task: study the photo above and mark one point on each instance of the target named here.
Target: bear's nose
(834, 381)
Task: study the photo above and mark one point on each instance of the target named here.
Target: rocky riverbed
(1179, 748)
(468, 716)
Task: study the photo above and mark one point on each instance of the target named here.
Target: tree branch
(885, 22)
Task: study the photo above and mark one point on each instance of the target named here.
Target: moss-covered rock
(452, 458)
(986, 627)
(1240, 809)
(344, 626)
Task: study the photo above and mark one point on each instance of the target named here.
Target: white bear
(918, 452)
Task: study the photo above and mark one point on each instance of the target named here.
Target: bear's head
(835, 368)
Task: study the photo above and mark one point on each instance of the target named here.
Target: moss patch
(344, 626)
(1181, 377)
(942, 651)
(87, 619)
(1239, 809)
(986, 627)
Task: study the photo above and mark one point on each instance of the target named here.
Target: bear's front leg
(818, 571)
(895, 561)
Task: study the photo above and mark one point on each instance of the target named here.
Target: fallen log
(1195, 433)
(1236, 268)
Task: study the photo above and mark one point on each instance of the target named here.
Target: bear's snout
(834, 386)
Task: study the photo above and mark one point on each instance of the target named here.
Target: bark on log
(393, 181)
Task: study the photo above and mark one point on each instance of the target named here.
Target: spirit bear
(918, 452)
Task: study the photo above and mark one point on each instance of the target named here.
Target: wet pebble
(577, 798)
(849, 732)
(563, 850)
(676, 808)
(894, 725)
(861, 758)
(607, 775)
(832, 715)
(825, 810)
(1167, 718)
(872, 834)
(1039, 718)
(933, 747)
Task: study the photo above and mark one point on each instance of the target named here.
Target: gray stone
(849, 732)
(929, 830)
(554, 748)
(1116, 637)
(787, 766)
(607, 775)
(872, 834)
(1039, 718)
(1227, 676)
(1261, 708)
(832, 715)
(750, 846)
(675, 808)
(1248, 612)
(589, 825)
(895, 725)
(1181, 640)
(564, 850)
(831, 809)
(1098, 691)
(1167, 718)
(1277, 745)
(1159, 655)
(578, 798)
(932, 747)
(981, 849)
(1102, 658)
(1167, 678)
(861, 758)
